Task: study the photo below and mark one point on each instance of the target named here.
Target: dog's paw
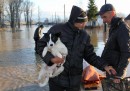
(57, 71)
(44, 82)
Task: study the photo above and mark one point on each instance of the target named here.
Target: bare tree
(31, 18)
(19, 10)
(1, 13)
(28, 12)
(14, 11)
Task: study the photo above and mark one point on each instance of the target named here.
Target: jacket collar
(115, 22)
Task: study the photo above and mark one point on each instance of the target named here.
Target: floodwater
(19, 65)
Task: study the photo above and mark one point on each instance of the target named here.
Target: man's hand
(110, 70)
(57, 60)
(116, 80)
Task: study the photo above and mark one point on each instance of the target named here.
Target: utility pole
(38, 15)
(105, 1)
(64, 12)
(105, 26)
(55, 18)
(52, 19)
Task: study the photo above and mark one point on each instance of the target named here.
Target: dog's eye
(54, 39)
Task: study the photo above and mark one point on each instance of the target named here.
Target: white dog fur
(46, 72)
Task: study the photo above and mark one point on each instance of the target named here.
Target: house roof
(128, 17)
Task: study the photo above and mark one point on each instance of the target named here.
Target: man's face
(80, 26)
(107, 16)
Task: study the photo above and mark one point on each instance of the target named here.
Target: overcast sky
(49, 8)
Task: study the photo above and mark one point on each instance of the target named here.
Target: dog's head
(51, 38)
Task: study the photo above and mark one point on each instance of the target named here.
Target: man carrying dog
(78, 44)
(117, 48)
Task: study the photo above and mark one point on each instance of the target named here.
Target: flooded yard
(19, 65)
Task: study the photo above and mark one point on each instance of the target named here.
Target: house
(96, 23)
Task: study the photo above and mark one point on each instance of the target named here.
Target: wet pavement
(20, 65)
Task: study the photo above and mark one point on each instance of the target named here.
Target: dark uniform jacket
(36, 36)
(79, 48)
(117, 48)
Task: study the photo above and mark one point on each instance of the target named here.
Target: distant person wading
(37, 35)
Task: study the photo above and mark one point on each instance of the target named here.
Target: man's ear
(113, 13)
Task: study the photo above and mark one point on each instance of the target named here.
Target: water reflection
(19, 65)
(17, 39)
(98, 39)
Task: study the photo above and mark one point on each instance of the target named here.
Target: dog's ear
(58, 34)
(46, 35)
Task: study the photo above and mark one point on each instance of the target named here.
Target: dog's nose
(51, 44)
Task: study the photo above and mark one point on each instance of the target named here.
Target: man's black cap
(82, 17)
(77, 15)
(105, 8)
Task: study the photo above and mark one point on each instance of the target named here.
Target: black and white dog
(57, 48)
